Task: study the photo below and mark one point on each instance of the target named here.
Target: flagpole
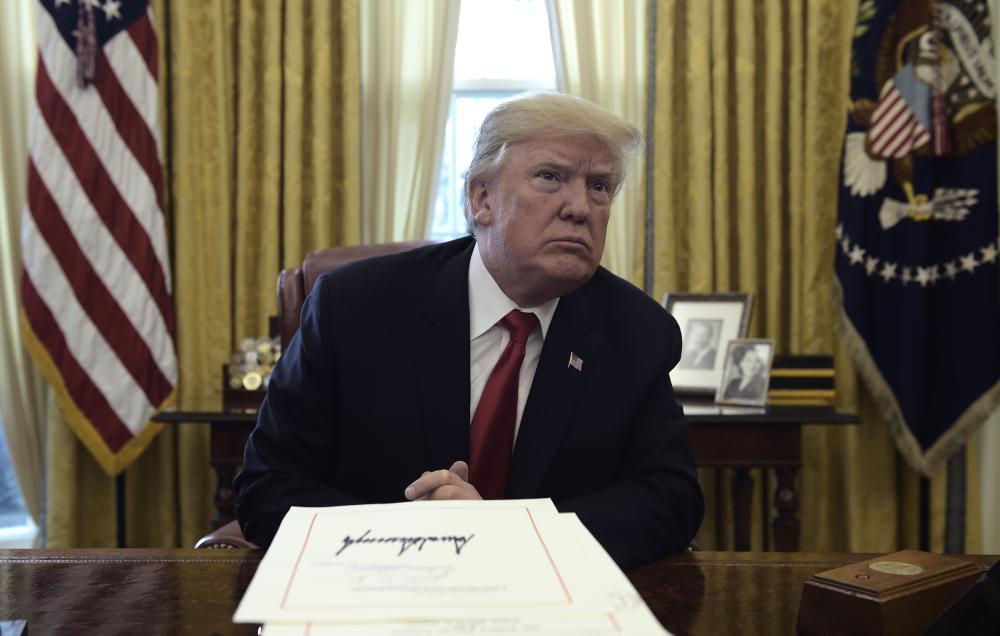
(924, 513)
(954, 528)
(120, 508)
(649, 258)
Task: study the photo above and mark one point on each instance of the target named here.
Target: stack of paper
(432, 568)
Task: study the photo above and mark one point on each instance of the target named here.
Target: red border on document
(555, 569)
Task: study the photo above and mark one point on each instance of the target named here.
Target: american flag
(895, 128)
(575, 362)
(97, 311)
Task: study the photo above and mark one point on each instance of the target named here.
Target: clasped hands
(443, 484)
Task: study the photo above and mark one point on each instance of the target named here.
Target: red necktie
(491, 436)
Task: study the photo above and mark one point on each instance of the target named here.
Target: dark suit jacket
(374, 390)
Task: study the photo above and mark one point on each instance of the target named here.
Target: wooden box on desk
(899, 593)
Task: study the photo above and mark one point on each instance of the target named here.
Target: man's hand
(443, 484)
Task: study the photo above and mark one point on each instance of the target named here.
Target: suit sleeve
(656, 506)
(290, 458)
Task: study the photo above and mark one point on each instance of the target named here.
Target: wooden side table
(229, 433)
(720, 437)
(743, 438)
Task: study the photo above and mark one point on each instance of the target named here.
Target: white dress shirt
(488, 338)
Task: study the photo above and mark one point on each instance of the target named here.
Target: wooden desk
(728, 437)
(196, 591)
(771, 437)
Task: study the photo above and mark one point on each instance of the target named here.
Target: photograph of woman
(746, 377)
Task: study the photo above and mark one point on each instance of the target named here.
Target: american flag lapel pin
(575, 361)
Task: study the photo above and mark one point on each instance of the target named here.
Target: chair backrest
(296, 283)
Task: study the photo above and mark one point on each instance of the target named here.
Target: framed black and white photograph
(708, 323)
(747, 372)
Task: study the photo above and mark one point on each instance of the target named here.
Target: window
(490, 67)
(17, 530)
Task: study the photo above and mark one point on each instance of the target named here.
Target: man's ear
(482, 206)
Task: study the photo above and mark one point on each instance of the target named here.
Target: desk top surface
(196, 591)
(697, 413)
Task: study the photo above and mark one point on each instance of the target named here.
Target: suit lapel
(441, 348)
(554, 394)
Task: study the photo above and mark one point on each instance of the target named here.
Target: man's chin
(568, 274)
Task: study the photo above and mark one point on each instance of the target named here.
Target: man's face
(542, 220)
(750, 365)
(699, 337)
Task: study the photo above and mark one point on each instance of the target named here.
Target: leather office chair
(294, 285)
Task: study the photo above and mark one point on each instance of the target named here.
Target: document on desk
(420, 560)
(621, 611)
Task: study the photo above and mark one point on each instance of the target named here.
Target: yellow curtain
(989, 436)
(260, 130)
(22, 389)
(407, 66)
(751, 103)
(602, 57)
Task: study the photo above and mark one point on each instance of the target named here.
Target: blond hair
(532, 115)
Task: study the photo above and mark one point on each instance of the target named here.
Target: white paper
(622, 612)
(419, 560)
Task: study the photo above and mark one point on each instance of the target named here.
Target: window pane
(467, 113)
(16, 528)
(490, 67)
(504, 39)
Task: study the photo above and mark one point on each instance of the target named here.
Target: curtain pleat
(989, 436)
(407, 68)
(22, 389)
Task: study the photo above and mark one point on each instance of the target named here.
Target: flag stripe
(86, 344)
(130, 236)
(887, 109)
(141, 87)
(51, 313)
(98, 127)
(91, 293)
(889, 126)
(83, 391)
(899, 144)
(899, 129)
(130, 125)
(108, 261)
(144, 37)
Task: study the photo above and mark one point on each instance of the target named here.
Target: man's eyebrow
(604, 171)
(550, 162)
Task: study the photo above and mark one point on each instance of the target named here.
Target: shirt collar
(488, 304)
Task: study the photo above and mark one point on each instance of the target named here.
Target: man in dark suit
(508, 364)
(700, 346)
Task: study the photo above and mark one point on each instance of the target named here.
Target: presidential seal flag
(97, 314)
(916, 258)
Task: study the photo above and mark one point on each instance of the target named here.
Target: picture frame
(708, 322)
(747, 372)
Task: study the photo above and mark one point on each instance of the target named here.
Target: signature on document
(405, 543)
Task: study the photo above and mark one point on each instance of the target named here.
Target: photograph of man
(506, 364)
(701, 343)
(746, 376)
